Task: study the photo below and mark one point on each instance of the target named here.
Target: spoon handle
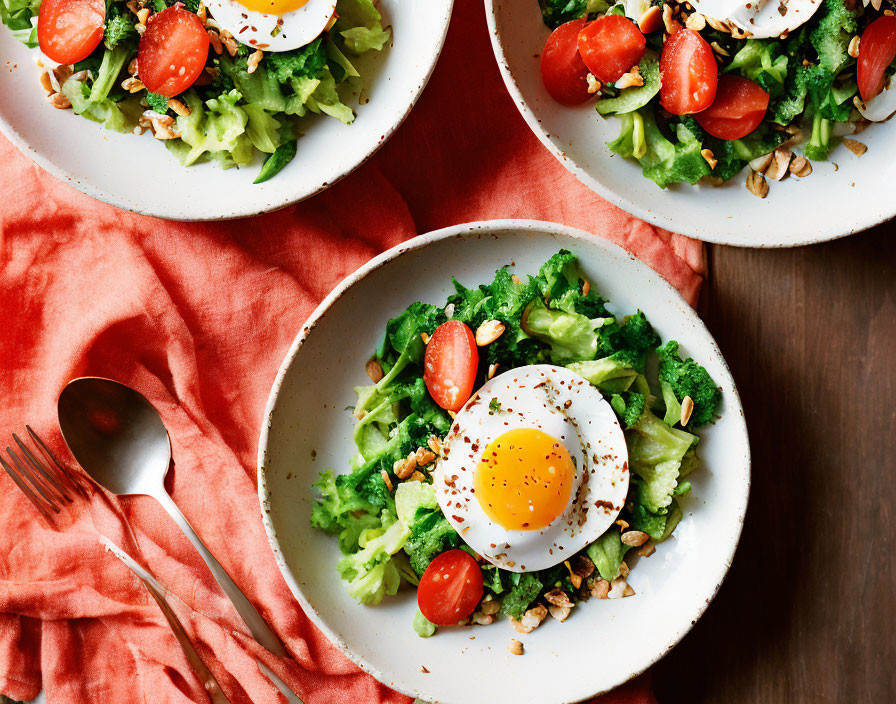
(256, 624)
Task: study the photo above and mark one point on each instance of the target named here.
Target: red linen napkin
(198, 317)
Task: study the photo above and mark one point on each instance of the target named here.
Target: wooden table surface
(808, 611)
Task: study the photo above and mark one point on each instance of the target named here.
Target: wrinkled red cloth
(198, 317)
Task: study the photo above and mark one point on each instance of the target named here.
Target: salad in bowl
(218, 80)
(517, 447)
(705, 88)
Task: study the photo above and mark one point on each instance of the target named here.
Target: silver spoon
(119, 439)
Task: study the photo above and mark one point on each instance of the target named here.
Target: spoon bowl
(116, 435)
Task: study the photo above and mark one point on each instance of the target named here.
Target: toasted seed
(709, 157)
(780, 165)
(386, 480)
(601, 589)
(756, 184)
(179, 108)
(647, 549)
(761, 163)
(800, 166)
(488, 332)
(59, 101)
(254, 60)
(696, 21)
(617, 588)
(374, 370)
(482, 619)
(492, 368)
(561, 613)
(623, 568)
(425, 337)
(652, 20)
(687, 408)
(558, 597)
(854, 146)
(515, 647)
(634, 538)
(716, 47)
(853, 48)
(45, 83)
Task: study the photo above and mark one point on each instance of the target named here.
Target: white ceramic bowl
(140, 174)
(307, 429)
(830, 203)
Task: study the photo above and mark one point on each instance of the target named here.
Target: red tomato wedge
(69, 30)
(610, 46)
(877, 48)
(737, 110)
(172, 51)
(689, 73)
(562, 69)
(450, 588)
(450, 364)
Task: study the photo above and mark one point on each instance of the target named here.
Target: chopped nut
(488, 332)
(629, 80)
(202, 13)
(586, 288)
(59, 101)
(709, 157)
(778, 169)
(652, 20)
(492, 368)
(490, 606)
(403, 468)
(628, 591)
(132, 67)
(386, 480)
(671, 25)
(687, 408)
(530, 620)
(435, 444)
(215, 40)
(132, 85)
(617, 588)
(515, 647)
(162, 127)
(425, 337)
(580, 568)
(761, 163)
(422, 667)
(143, 15)
(623, 569)
(229, 42)
(634, 538)
(594, 85)
(46, 84)
(621, 523)
(601, 589)
(424, 456)
(756, 184)
(558, 597)
(561, 613)
(452, 414)
(417, 476)
(718, 25)
(374, 370)
(254, 60)
(853, 48)
(482, 619)
(876, 4)
(716, 47)
(647, 549)
(800, 166)
(696, 22)
(854, 146)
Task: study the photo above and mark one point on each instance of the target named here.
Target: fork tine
(61, 471)
(27, 491)
(27, 475)
(60, 492)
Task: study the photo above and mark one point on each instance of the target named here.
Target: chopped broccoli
(119, 28)
(687, 378)
(157, 102)
(371, 573)
(556, 12)
(306, 62)
(628, 406)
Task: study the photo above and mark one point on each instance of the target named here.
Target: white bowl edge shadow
(99, 162)
(854, 194)
(393, 616)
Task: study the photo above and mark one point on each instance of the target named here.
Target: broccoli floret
(371, 573)
(638, 334)
(118, 29)
(431, 535)
(629, 407)
(687, 378)
(819, 145)
(157, 102)
(306, 62)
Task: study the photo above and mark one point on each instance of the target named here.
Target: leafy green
(431, 535)
(423, 627)
(613, 374)
(556, 12)
(21, 18)
(275, 162)
(216, 126)
(673, 405)
(526, 586)
(663, 161)
(659, 525)
(655, 454)
(569, 335)
(733, 155)
(607, 553)
(637, 97)
(360, 26)
(371, 573)
(762, 62)
(628, 406)
(688, 378)
(104, 110)
(306, 62)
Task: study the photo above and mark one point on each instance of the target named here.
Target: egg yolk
(272, 7)
(524, 479)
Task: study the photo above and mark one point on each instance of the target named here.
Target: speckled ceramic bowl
(139, 174)
(845, 194)
(307, 429)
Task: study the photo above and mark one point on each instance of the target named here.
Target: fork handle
(256, 624)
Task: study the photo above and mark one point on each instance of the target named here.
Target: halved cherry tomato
(450, 588)
(877, 47)
(689, 73)
(69, 30)
(450, 363)
(737, 110)
(172, 51)
(610, 46)
(562, 69)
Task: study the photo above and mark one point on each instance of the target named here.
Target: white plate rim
(805, 237)
(422, 241)
(29, 151)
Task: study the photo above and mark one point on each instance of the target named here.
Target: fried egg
(534, 468)
(760, 18)
(273, 25)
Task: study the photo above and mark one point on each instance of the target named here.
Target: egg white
(565, 406)
(273, 32)
(761, 19)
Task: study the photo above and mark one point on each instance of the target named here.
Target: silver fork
(51, 486)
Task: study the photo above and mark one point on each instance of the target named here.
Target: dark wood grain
(808, 612)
